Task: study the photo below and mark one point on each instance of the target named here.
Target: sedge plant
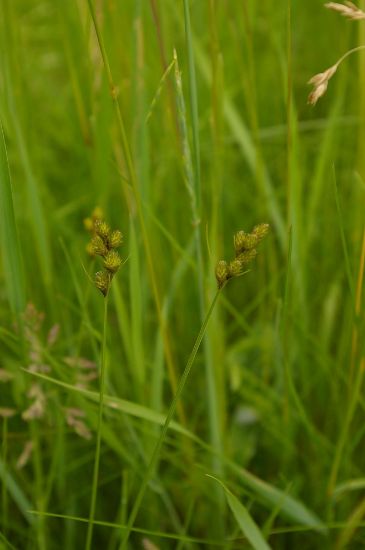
(103, 243)
(245, 251)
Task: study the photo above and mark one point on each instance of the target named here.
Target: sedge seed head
(260, 231)
(244, 241)
(90, 249)
(97, 213)
(115, 239)
(235, 268)
(247, 256)
(89, 224)
(102, 229)
(221, 273)
(98, 246)
(112, 261)
(102, 282)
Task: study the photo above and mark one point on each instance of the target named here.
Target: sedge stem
(154, 457)
(99, 430)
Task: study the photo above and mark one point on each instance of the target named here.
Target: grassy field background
(274, 405)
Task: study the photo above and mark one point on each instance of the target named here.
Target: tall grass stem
(169, 416)
(99, 431)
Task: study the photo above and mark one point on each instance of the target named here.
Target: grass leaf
(9, 238)
(244, 519)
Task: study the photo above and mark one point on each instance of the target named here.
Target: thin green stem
(169, 416)
(99, 430)
(353, 50)
(344, 433)
(4, 485)
(211, 376)
(193, 100)
(139, 207)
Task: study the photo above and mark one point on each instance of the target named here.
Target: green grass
(186, 121)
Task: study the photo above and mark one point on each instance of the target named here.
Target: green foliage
(186, 122)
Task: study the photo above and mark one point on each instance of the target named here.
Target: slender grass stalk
(99, 430)
(359, 287)
(11, 252)
(345, 432)
(169, 416)
(4, 495)
(211, 378)
(349, 274)
(193, 100)
(134, 184)
(39, 483)
(289, 112)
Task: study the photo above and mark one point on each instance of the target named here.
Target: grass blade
(244, 519)
(13, 268)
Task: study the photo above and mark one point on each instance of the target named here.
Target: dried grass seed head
(349, 10)
(7, 412)
(320, 83)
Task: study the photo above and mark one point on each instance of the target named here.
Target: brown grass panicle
(349, 10)
(320, 84)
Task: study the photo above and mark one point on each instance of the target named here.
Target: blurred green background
(275, 398)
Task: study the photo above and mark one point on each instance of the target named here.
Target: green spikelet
(244, 241)
(221, 273)
(102, 282)
(103, 243)
(261, 230)
(115, 239)
(245, 251)
(112, 261)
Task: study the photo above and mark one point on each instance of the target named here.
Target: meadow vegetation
(169, 411)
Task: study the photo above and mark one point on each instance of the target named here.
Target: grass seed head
(103, 243)
(235, 268)
(115, 239)
(245, 252)
(349, 10)
(320, 84)
(102, 229)
(221, 273)
(260, 231)
(112, 261)
(98, 246)
(89, 224)
(244, 241)
(102, 282)
(7, 412)
(247, 256)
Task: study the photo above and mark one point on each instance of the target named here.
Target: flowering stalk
(244, 244)
(99, 429)
(103, 243)
(320, 81)
(165, 427)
